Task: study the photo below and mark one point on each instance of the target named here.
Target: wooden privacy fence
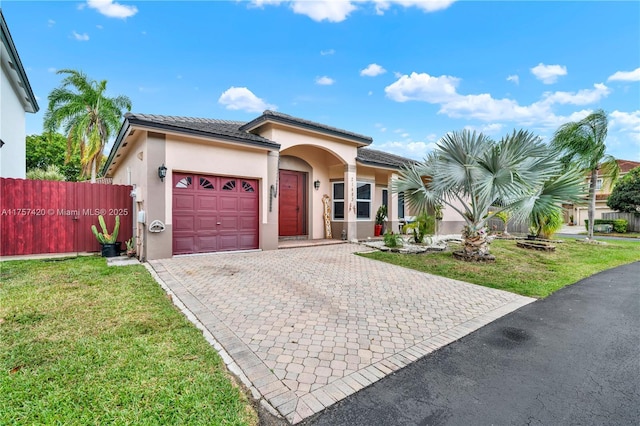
(39, 216)
(633, 219)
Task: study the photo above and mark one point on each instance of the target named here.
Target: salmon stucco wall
(192, 155)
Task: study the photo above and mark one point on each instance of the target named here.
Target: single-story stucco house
(246, 185)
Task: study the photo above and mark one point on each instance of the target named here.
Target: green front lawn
(83, 343)
(526, 272)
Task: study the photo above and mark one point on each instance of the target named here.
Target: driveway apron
(310, 326)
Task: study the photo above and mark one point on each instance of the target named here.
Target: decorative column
(392, 209)
(350, 205)
(271, 192)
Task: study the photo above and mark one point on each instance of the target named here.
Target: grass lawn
(526, 272)
(83, 343)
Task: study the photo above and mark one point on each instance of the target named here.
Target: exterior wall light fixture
(316, 185)
(162, 172)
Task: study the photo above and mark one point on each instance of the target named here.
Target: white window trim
(361, 200)
(333, 201)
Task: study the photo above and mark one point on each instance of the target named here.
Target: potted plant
(571, 220)
(131, 246)
(381, 216)
(110, 247)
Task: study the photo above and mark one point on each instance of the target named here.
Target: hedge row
(619, 225)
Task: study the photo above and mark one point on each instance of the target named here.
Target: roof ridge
(313, 124)
(183, 118)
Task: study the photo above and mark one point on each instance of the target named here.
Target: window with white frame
(338, 201)
(363, 200)
(598, 183)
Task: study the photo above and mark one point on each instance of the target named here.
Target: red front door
(292, 204)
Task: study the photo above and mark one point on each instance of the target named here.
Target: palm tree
(583, 143)
(87, 116)
(472, 174)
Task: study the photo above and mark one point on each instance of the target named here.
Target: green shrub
(52, 172)
(392, 240)
(619, 225)
(544, 226)
(423, 225)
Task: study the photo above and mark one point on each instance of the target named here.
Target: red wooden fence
(39, 216)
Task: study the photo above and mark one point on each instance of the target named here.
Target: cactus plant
(104, 237)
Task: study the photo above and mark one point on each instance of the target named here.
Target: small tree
(51, 149)
(625, 196)
(87, 116)
(504, 216)
(545, 225)
(470, 173)
(583, 143)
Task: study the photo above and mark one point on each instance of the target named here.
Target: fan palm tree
(86, 115)
(583, 143)
(470, 173)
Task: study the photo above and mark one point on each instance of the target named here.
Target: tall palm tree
(583, 143)
(87, 116)
(470, 173)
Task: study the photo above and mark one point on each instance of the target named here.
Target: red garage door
(214, 213)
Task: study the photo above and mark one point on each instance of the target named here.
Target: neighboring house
(604, 186)
(16, 99)
(238, 186)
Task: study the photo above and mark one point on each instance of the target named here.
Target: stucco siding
(12, 130)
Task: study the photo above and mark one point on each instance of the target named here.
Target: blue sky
(403, 72)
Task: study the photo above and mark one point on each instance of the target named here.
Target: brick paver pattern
(310, 326)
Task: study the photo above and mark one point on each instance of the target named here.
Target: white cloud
(339, 10)
(581, 97)
(425, 5)
(628, 123)
(325, 81)
(99, 27)
(51, 23)
(262, 3)
(327, 52)
(241, 98)
(80, 37)
(626, 75)
(514, 78)
(329, 10)
(442, 91)
(372, 70)
(52, 69)
(380, 127)
(111, 9)
(423, 87)
(416, 150)
(548, 74)
(488, 129)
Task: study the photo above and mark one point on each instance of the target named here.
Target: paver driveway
(310, 326)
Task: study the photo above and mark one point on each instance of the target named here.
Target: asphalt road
(570, 359)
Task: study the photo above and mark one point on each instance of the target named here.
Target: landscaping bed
(526, 272)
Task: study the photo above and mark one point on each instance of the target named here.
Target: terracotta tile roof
(279, 117)
(627, 165)
(381, 158)
(225, 129)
